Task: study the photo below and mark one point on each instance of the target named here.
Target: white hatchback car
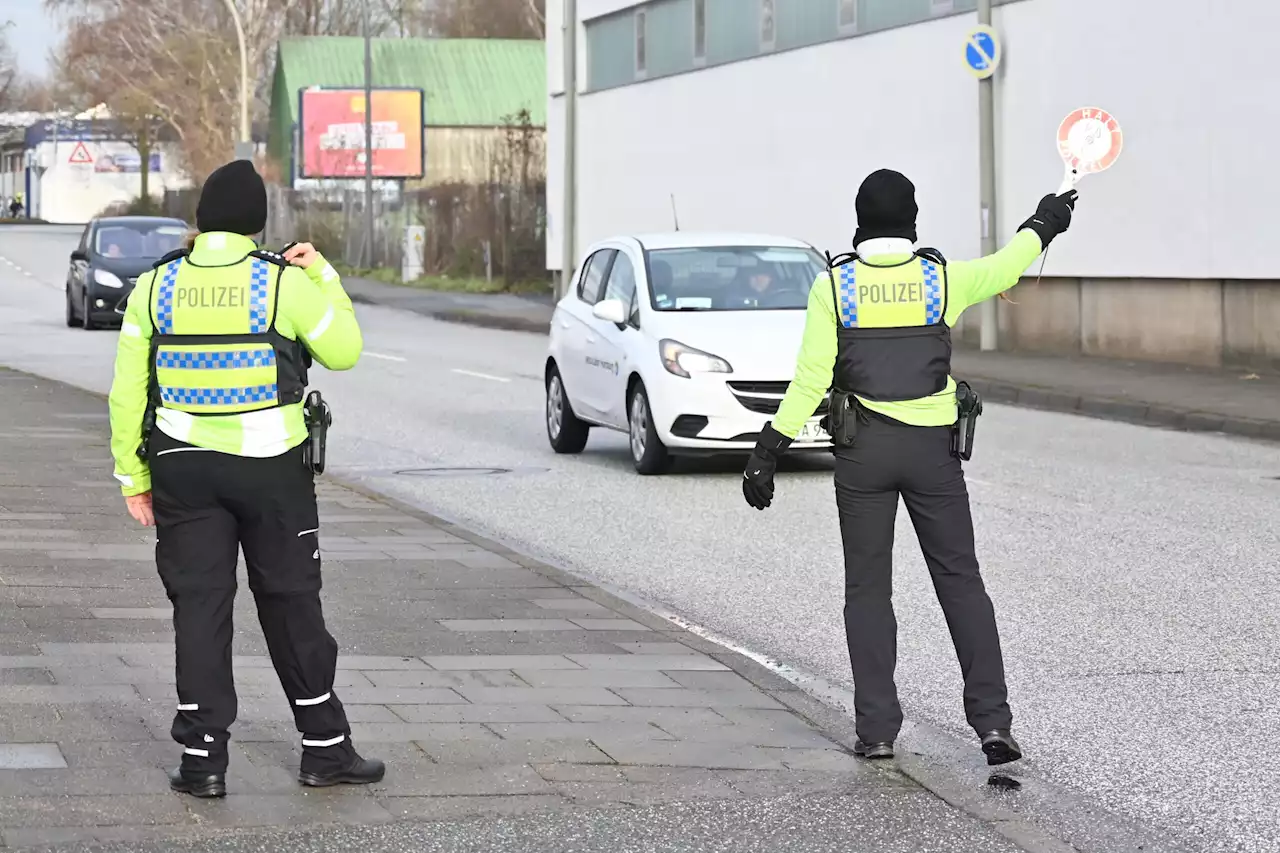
(685, 341)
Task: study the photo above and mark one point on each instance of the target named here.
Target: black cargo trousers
(889, 459)
(208, 506)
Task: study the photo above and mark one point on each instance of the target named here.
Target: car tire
(647, 450)
(565, 431)
(72, 319)
(86, 319)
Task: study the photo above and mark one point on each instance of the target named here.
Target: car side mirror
(611, 310)
(79, 255)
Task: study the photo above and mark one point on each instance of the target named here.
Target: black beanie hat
(886, 207)
(233, 199)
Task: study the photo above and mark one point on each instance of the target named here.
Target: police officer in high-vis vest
(214, 349)
(878, 335)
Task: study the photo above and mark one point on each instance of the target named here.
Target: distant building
(766, 115)
(68, 169)
(471, 91)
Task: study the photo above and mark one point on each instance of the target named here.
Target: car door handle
(591, 339)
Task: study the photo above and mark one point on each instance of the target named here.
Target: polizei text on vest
(212, 297)
(901, 292)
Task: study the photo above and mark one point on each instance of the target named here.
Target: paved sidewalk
(493, 685)
(1168, 395)
(1239, 402)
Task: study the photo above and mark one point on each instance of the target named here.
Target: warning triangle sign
(80, 155)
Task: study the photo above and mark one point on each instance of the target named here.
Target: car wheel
(86, 319)
(72, 319)
(565, 431)
(647, 450)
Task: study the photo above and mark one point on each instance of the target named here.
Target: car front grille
(765, 397)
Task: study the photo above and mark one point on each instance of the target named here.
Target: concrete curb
(1128, 411)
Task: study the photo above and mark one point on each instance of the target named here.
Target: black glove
(757, 480)
(1053, 216)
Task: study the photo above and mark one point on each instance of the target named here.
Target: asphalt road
(1134, 571)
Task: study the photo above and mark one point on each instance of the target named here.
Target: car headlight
(684, 361)
(107, 279)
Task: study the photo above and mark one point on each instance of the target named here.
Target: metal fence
(495, 231)
(474, 231)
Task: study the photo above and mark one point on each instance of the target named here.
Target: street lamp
(244, 148)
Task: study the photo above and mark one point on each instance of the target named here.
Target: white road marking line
(384, 357)
(480, 375)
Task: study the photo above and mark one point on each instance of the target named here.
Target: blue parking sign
(982, 52)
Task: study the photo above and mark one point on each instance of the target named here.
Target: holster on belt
(318, 418)
(968, 408)
(148, 426)
(841, 421)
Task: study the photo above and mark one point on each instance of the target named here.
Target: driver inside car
(752, 286)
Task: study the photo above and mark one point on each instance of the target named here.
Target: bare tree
(9, 79)
(513, 19)
(174, 63)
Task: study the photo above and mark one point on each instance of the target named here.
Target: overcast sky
(32, 35)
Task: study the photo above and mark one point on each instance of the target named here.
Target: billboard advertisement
(331, 133)
(126, 161)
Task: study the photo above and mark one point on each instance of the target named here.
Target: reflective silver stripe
(319, 700)
(322, 325)
(191, 750)
(131, 329)
(185, 450)
(331, 742)
(191, 707)
(305, 532)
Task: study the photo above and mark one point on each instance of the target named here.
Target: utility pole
(569, 43)
(244, 147)
(370, 259)
(987, 176)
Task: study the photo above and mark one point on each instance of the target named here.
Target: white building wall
(76, 192)
(780, 143)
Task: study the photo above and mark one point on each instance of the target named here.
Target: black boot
(1000, 747)
(873, 751)
(198, 784)
(361, 771)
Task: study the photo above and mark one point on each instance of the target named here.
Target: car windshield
(138, 240)
(732, 278)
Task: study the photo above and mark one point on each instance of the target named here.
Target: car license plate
(812, 432)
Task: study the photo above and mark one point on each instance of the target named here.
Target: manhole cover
(467, 472)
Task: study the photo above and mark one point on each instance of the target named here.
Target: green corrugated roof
(468, 82)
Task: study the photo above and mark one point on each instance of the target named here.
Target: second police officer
(878, 335)
(215, 344)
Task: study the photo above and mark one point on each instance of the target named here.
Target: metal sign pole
(368, 142)
(987, 178)
(569, 43)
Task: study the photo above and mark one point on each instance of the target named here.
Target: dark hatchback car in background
(113, 252)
